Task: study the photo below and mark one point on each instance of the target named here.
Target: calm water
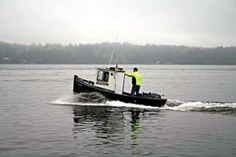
(39, 115)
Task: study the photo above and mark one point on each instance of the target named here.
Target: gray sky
(205, 23)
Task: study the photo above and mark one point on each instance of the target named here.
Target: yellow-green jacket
(137, 76)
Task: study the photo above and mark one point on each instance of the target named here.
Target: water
(39, 115)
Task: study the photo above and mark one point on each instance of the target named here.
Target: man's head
(135, 69)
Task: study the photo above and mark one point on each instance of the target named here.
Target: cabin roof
(115, 69)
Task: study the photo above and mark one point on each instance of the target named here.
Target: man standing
(136, 80)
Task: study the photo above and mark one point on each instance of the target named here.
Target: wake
(96, 99)
(200, 106)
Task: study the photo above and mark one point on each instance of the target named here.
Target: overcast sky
(206, 23)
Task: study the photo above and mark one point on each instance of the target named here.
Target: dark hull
(81, 85)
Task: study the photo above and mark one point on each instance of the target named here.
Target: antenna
(112, 52)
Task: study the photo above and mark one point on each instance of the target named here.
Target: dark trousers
(135, 90)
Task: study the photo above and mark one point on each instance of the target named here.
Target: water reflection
(109, 128)
(136, 133)
(103, 119)
(98, 126)
(135, 124)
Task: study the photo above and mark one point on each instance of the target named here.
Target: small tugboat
(110, 83)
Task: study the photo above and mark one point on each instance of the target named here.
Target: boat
(110, 82)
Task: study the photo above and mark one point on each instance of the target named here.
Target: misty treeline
(124, 53)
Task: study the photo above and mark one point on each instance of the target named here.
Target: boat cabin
(112, 78)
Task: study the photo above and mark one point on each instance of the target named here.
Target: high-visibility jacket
(137, 76)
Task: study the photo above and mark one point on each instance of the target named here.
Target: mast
(112, 52)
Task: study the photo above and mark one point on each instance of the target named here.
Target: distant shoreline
(124, 53)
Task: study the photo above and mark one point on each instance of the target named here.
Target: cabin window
(103, 76)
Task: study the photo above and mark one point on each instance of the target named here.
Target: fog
(205, 23)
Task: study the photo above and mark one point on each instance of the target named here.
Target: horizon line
(103, 42)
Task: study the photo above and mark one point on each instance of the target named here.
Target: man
(136, 80)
